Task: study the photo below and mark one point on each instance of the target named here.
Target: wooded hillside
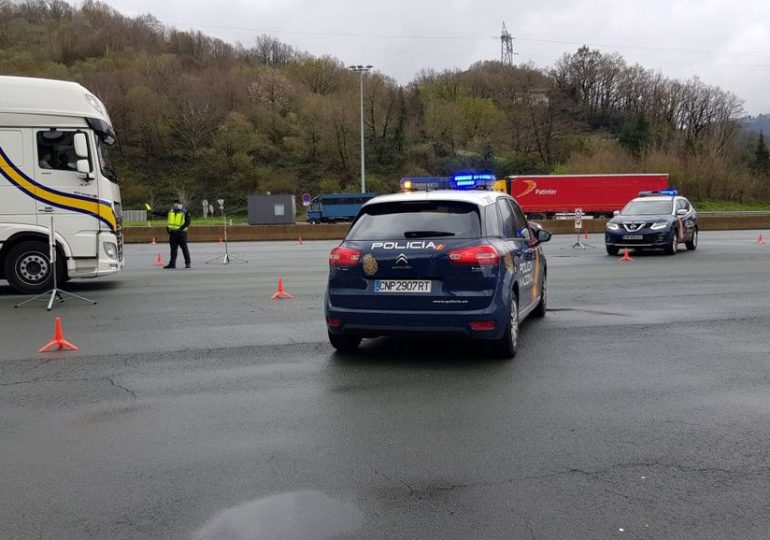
(204, 119)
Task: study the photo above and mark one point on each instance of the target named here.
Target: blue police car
(655, 219)
(464, 263)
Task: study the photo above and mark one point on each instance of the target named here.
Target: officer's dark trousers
(177, 240)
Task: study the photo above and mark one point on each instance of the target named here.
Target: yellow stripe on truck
(96, 209)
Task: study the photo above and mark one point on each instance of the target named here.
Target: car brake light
(483, 254)
(482, 325)
(333, 322)
(342, 256)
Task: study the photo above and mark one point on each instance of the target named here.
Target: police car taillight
(342, 256)
(484, 254)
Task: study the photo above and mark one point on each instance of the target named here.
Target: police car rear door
(517, 235)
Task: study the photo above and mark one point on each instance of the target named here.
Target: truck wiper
(426, 234)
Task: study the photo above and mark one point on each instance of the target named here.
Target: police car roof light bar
(663, 192)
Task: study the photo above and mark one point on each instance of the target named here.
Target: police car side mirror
(681, 212)
(543, 236)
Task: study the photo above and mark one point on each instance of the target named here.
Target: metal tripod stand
(55, 293)
(227, 259)
(580, 244)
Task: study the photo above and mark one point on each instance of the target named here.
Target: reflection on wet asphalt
(299, 514)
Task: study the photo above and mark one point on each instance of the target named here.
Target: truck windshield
(648, 208)
(105, 164)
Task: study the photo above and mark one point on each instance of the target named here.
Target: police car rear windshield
(417, 219)
(648, 208)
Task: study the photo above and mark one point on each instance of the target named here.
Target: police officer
(178, 221)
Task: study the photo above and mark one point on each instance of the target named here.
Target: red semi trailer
(595, 194)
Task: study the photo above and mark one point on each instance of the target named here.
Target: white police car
(464, 263)
(655, 219)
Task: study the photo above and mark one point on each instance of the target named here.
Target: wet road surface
(197, 407)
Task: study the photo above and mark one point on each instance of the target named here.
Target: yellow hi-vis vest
(175, 220)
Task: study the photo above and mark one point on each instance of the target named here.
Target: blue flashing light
(465, 183)
(472, 180)
(663, 192)
(475, 177)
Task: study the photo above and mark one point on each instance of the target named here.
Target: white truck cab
(54, 161)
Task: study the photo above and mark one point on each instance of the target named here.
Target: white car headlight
(110, 249)
(613, 226)
(659, 225)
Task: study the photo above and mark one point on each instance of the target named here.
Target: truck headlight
(659, 225)
(110, 249)
(613, 226)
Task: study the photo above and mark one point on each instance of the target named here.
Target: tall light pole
(361, 70)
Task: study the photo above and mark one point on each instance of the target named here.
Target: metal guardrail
(134, 215)
(734, 213)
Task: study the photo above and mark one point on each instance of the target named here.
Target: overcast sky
(724, 42)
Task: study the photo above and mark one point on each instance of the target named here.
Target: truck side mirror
(81, 145)
(84, 168)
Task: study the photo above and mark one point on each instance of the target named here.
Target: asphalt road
(197, 407)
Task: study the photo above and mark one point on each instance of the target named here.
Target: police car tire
(16, 256)
(508, 345)
(540, 310)
(344, 343)
(693, 243)
(611, 250)
(671, 249)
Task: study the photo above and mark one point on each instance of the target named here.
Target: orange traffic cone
(626, 257)
(153, 241)
(300, 241)
(281, 292)
(58, 340)
(760, 241)
(159, 260)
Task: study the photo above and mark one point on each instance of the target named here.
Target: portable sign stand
(56, 293)
(227, 258)
(578, 229)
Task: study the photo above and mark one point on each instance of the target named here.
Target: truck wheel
(612, 250)
(345, 344)
(508, 345)
(692, 245)
(28, 268)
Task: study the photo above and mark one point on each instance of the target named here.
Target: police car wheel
(693, 243)
(508, 345)
(612, 250)
(540, 310)
(674, 245)
(28, 268)
(344, 343)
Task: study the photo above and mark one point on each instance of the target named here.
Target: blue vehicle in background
(331, 207)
